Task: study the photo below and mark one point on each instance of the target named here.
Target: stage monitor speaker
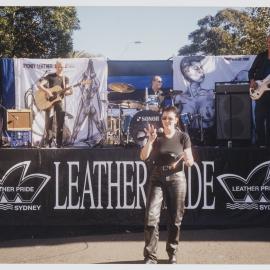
(233, 115)
(19, 120)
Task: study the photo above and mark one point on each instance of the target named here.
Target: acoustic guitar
(44, 102)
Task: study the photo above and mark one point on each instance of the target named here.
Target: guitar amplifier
(19, 120)
(233, 111)
(231, 88)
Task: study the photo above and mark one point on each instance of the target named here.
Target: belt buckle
(165, 168)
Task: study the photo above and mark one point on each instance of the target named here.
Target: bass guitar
(262, 86)
(43, 102)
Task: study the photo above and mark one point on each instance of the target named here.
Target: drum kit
(126, 119)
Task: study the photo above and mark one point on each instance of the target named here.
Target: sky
(138, 29)
(137, 33)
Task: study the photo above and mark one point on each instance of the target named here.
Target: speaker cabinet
(233, 114)
(1, 127)
(18, 120)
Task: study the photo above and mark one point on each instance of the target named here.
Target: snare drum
(140, 121)
(153, 102)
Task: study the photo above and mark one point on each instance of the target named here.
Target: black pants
(262, 119)
(173, 189)
(60, 116)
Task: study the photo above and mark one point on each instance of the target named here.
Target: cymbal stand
(146, 99)
(120, 124)
(108, 125)
(185, 127)
(199, 119)
(113, 126)
(128, 134)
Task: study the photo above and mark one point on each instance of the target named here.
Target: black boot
(172, 259)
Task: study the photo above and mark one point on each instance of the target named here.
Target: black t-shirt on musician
(168, 150)
(53, 80)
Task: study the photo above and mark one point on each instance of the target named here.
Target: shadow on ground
(136, 262)
(51, 235)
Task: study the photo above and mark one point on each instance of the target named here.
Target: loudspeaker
(233, 115)
(1, 128)
(18, 120)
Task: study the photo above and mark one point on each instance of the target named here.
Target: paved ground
(234, 246)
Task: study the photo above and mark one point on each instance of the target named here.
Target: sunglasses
(159, 81)
(167, 118)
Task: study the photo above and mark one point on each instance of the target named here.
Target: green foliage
(230, 31)
(37, 32)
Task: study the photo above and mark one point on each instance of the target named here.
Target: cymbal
(129, 104)
(173, 92)
(121, 87)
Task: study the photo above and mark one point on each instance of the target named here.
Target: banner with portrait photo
(196, 76)
(85, 111)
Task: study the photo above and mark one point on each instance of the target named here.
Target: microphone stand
(30, 91)
(201, 128)
(2, 124)
(146, 99)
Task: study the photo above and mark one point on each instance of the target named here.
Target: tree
(231, 32)
(37, 32)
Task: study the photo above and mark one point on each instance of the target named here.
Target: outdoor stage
(107, 185)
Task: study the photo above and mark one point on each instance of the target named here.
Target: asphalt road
(200, 247)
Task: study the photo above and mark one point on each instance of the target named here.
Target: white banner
(196, 77)
(85, 110)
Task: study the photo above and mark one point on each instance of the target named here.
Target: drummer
(155, 93)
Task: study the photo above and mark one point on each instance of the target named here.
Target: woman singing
(169, 153)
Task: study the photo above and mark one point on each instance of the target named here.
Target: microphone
(160, 131)
(44, 74)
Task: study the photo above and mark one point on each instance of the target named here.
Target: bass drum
(140, 121)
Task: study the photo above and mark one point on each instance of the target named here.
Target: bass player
(55, 79)
(259, 70)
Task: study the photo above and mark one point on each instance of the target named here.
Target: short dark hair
(170, 109)
(176, 113)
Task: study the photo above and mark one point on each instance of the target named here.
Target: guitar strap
(64, 81)
(64, 97)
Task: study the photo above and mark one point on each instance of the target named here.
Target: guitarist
(258, 71)
(55, 79)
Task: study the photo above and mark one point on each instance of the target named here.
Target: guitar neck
(67, 88)
(75, 85)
